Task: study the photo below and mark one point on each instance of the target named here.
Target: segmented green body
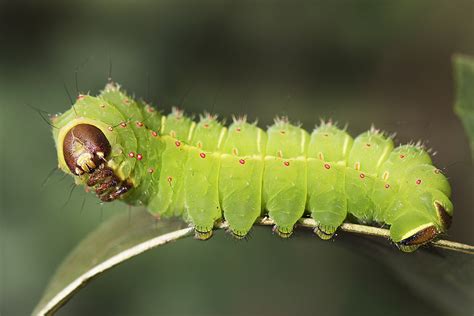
(205, 171)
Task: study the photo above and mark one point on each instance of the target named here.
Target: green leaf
(464, 106)
(115, 241)
(443, 278)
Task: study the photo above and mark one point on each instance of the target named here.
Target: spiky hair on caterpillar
(205, 172)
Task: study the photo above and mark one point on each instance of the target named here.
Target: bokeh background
(357, 62)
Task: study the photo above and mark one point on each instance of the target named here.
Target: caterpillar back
(206, 172)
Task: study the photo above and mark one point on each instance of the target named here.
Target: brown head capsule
(85, 148)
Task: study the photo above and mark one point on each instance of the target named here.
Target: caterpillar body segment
(134, 121)
(241, 174)
(367, 154)
(327, 164)
(175, 130)
(201, 175)
(206, 172)
(285, 180)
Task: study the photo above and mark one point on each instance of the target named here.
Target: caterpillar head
(86, 151)
(85, 148)
(88, 148)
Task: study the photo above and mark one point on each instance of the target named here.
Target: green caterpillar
(205, 172)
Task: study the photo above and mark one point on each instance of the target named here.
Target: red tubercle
(154, 134)
(238, 129)
(150, 109)
(286, 163)
(110, 128)
(139, 124)
(123, 124)
(242, 161)
(139, 157)
(131, 154)
(362, 176)
(387, 186)
(177, 143)
(202, 155)
(151, 170)
(418, 181)
(327, 166)
(402, 156)
(80, 97)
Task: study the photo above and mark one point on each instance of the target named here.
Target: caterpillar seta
(205, 172)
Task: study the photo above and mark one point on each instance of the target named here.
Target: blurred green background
(357, 62)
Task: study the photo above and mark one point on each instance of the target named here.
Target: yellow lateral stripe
(191, 131)
(299, 158)
(221, 137)
(259, 140)
(303, 140)
(163, 124)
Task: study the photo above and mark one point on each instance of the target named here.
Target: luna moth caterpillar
(206, 172)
